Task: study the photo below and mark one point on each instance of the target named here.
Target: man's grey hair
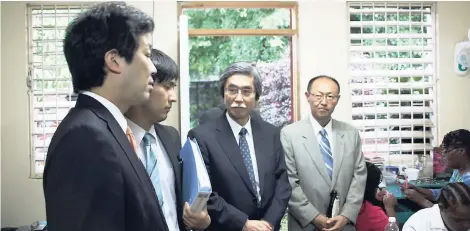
(241, 68)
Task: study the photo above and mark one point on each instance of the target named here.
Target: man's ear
(113, 62)
(307, 95)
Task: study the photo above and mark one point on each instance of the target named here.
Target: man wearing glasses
(323, 155)
(244, 159)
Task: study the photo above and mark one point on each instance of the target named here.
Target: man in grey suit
(323, 155)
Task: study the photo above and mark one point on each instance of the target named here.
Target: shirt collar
(317, 127)
(113, 109)
(237, 127)
(436, 218)
(138, 132)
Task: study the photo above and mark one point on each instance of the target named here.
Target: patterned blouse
(465, 178)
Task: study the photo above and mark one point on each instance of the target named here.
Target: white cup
(412, 173)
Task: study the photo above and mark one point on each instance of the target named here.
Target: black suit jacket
(93, 180)
(215, 112)
(171, 141)
(233, 200)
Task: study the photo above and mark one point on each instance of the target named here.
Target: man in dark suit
(93, 180)
(244, 159)
(216, 112)
(158, 146)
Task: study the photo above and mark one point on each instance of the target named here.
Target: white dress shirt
(329, 133)
(113, 109)
(249, 138)
(166, 173)
(428, 219)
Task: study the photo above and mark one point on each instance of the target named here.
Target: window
(222, 33)
(393, 74)
(49, 84)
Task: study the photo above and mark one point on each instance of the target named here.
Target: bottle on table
(392, 225)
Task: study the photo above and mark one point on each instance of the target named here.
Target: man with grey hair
(215, 112)
(244, 158)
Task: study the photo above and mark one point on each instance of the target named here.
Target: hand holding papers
(196, 183)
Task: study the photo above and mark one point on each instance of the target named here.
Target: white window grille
(49, 80)
(393, 74)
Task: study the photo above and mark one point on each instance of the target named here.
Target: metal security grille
(49, 80)
(393, 74)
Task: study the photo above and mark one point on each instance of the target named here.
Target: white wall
(453, 91)
(323, 49)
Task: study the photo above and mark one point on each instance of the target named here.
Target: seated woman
(371, 216)
(456, 152)
(451, 213)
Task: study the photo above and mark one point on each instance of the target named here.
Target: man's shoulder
(266, 126)
(82, 119)
(294, 127)
(344, 126)
(205, 127)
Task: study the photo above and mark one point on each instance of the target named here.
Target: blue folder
(196, 183)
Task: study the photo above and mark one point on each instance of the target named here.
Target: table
(405, 208)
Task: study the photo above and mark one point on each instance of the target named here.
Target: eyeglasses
(234, 91)
(329, 97)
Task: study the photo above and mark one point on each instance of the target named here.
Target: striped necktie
(326, 152)
(151, 167)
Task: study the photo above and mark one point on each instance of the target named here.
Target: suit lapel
(170, 148)
(259, 140)
(312, 146)
(229, 144)
(116, 130)
(338, 150)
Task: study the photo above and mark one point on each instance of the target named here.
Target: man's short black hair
(309, 85)
(167, 69)
(103, 27)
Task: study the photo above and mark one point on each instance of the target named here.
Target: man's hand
(336, 223)
(254, 225)
(197, 221)
(321, 222)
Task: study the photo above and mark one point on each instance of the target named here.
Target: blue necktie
(245, 150)
(326, 152)
(151, 167)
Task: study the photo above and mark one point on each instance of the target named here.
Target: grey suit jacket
(308, 176)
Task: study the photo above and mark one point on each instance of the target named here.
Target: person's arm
(283, 190)
(299, 205)
(83, 184)
(219, 210)
(355, 195)
(429, 194)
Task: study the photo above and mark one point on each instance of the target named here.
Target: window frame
(293, 33)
